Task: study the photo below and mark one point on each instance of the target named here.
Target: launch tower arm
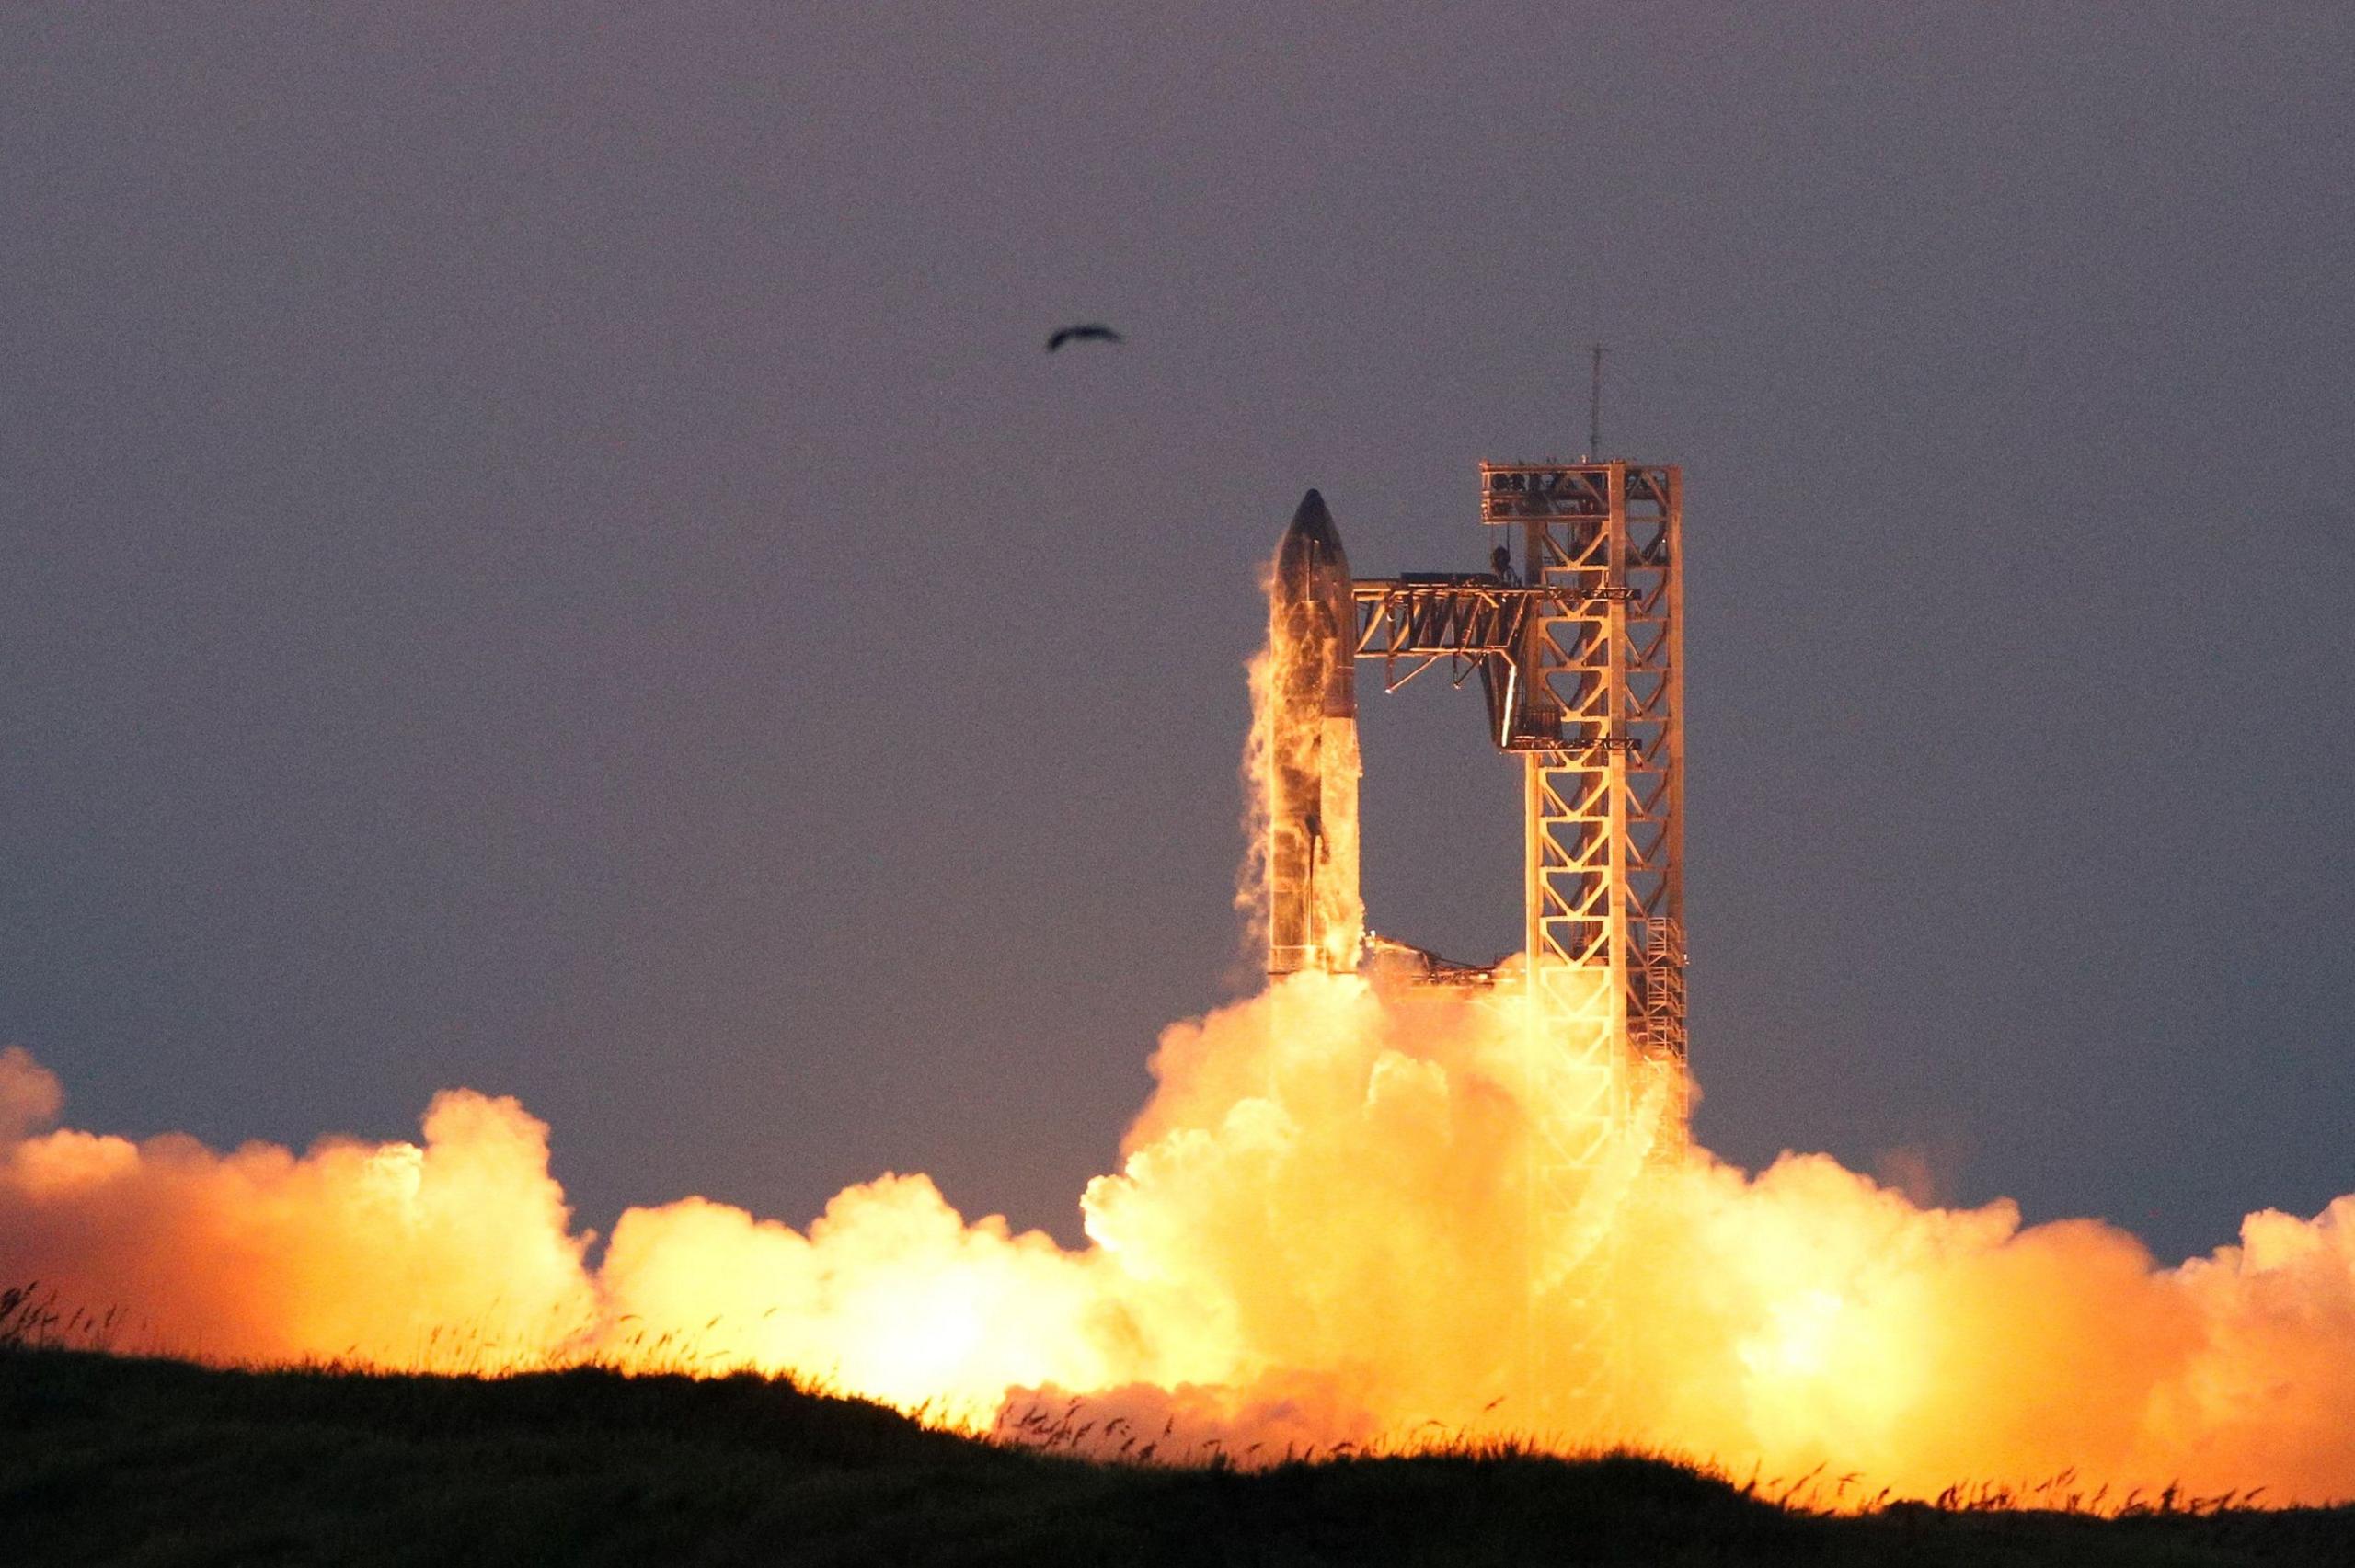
(1480, 625)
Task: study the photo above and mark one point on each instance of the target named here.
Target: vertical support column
(1652, 572)
(1616, 736)
(1600, 730)
(1576, 1017)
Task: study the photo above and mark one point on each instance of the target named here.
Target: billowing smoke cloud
(1315, 1237)
(455, 1253)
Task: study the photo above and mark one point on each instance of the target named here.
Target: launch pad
(1576, 643)
(1576, 639)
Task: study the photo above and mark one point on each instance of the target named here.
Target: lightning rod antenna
(1594, 407)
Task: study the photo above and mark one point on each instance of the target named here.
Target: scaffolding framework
(1601, 730)
(1578, 653)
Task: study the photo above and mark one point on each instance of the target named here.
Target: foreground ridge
(102, 1458)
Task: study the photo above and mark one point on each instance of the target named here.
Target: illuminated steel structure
(1576, 643)
(1578, 650)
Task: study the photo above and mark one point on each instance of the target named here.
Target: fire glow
(1318, 1235)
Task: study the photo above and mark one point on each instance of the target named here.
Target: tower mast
(1580, 653)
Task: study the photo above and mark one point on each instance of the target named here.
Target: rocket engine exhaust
(1315, 912)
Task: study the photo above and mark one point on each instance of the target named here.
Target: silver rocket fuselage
(1315, 917)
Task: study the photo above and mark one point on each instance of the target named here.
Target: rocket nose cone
(1312, 545)
(1312, 523)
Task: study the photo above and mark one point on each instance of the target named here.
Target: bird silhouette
(1092, 331)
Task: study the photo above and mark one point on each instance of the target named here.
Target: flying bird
(1092, 332)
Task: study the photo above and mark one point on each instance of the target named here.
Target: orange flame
(1327, 753)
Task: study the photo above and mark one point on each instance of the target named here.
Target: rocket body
(1315, 913)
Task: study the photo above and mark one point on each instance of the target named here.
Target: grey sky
(538, 550)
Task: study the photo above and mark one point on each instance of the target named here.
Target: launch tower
(1577, 647)
(1575, 635)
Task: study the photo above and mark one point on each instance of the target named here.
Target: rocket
(1315, 912)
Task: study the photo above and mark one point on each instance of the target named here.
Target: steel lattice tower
(1600, 726)
(1581, 654)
